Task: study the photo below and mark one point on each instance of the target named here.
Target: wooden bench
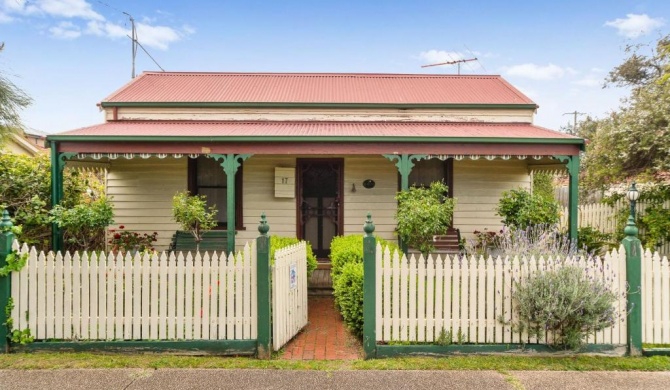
(212, 241)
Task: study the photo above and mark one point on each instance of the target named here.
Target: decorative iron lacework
(490, 157)
(128, 156)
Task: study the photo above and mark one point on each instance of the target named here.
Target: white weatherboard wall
(478, 186)
(142, 191)
(380, 200)
(259, 197)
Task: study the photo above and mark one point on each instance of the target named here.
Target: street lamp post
(633, 278)
(633, 195)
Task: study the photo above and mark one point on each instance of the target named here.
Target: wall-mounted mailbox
(284, 182)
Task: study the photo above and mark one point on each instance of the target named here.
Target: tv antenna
(459, 62)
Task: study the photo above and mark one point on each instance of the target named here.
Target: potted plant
(193, 215)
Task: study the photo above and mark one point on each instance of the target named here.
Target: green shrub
(520, 209)
(543, 185)
(592, 240)
(423, 213)
(25, 190)
(348, 292)
(656, 222)
(349, 249)
(84, 224)
(277, 242)
(564, 301)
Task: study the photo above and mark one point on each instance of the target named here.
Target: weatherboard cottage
(314, 151)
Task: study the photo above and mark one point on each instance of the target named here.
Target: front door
(320, 203)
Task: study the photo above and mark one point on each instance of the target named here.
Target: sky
(68, 55)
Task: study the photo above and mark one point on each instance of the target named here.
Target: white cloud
(65, 30)
(4, 18)
(588, 82)
(439, 56)
(634, 25)
(70, 11)
(539, 72)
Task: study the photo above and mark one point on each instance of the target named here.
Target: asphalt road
(164, 379)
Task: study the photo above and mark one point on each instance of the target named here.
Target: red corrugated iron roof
(351, 130)
(326, 88)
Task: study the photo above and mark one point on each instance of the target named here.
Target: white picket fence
(603, 217)
(289, 293)
(139, 297)
(655, 299)
(461, 300)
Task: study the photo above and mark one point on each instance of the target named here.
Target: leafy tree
(423, 213)
(191, 212)
(12, 100)
(25, 190)
(632, 142)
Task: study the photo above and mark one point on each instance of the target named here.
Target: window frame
(193, 189)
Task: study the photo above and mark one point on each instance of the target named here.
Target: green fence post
(369, 290)
(264, 349)
(633, 248)
(6, 240)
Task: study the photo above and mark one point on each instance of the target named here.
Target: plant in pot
(424, 212)
(193, 215)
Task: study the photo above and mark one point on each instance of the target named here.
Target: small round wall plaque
(369, 183)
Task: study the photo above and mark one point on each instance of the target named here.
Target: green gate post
(6, 240)
(264, 349)
(369, 290)
(633, 248)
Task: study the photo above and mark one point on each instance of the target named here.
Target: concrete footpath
(164, 379)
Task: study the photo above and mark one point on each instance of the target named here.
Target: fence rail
(136, 297)
(289, 293)
(456, 300)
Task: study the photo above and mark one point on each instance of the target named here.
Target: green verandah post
(264, 349)
(6, 240)
(369, 290)
(633, 248)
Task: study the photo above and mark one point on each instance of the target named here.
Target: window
(206, 177)
(428, 171)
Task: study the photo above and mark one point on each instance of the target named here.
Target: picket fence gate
(452, 299)
(289, 293)
(136, 297)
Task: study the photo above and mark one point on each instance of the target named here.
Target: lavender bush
(567, 302)
(535, 240)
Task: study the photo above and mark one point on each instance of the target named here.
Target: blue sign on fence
(293, 276)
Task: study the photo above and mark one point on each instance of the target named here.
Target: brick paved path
(325, 337)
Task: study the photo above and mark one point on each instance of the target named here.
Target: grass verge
(499, 363)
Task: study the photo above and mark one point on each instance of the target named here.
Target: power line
(574, 122)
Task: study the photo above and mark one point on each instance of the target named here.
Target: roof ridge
(318, 74)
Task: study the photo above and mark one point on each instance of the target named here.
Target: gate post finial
(369, 227)
(263, 227)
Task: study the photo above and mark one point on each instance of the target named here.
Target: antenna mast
(459, 62)
(133, 37)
